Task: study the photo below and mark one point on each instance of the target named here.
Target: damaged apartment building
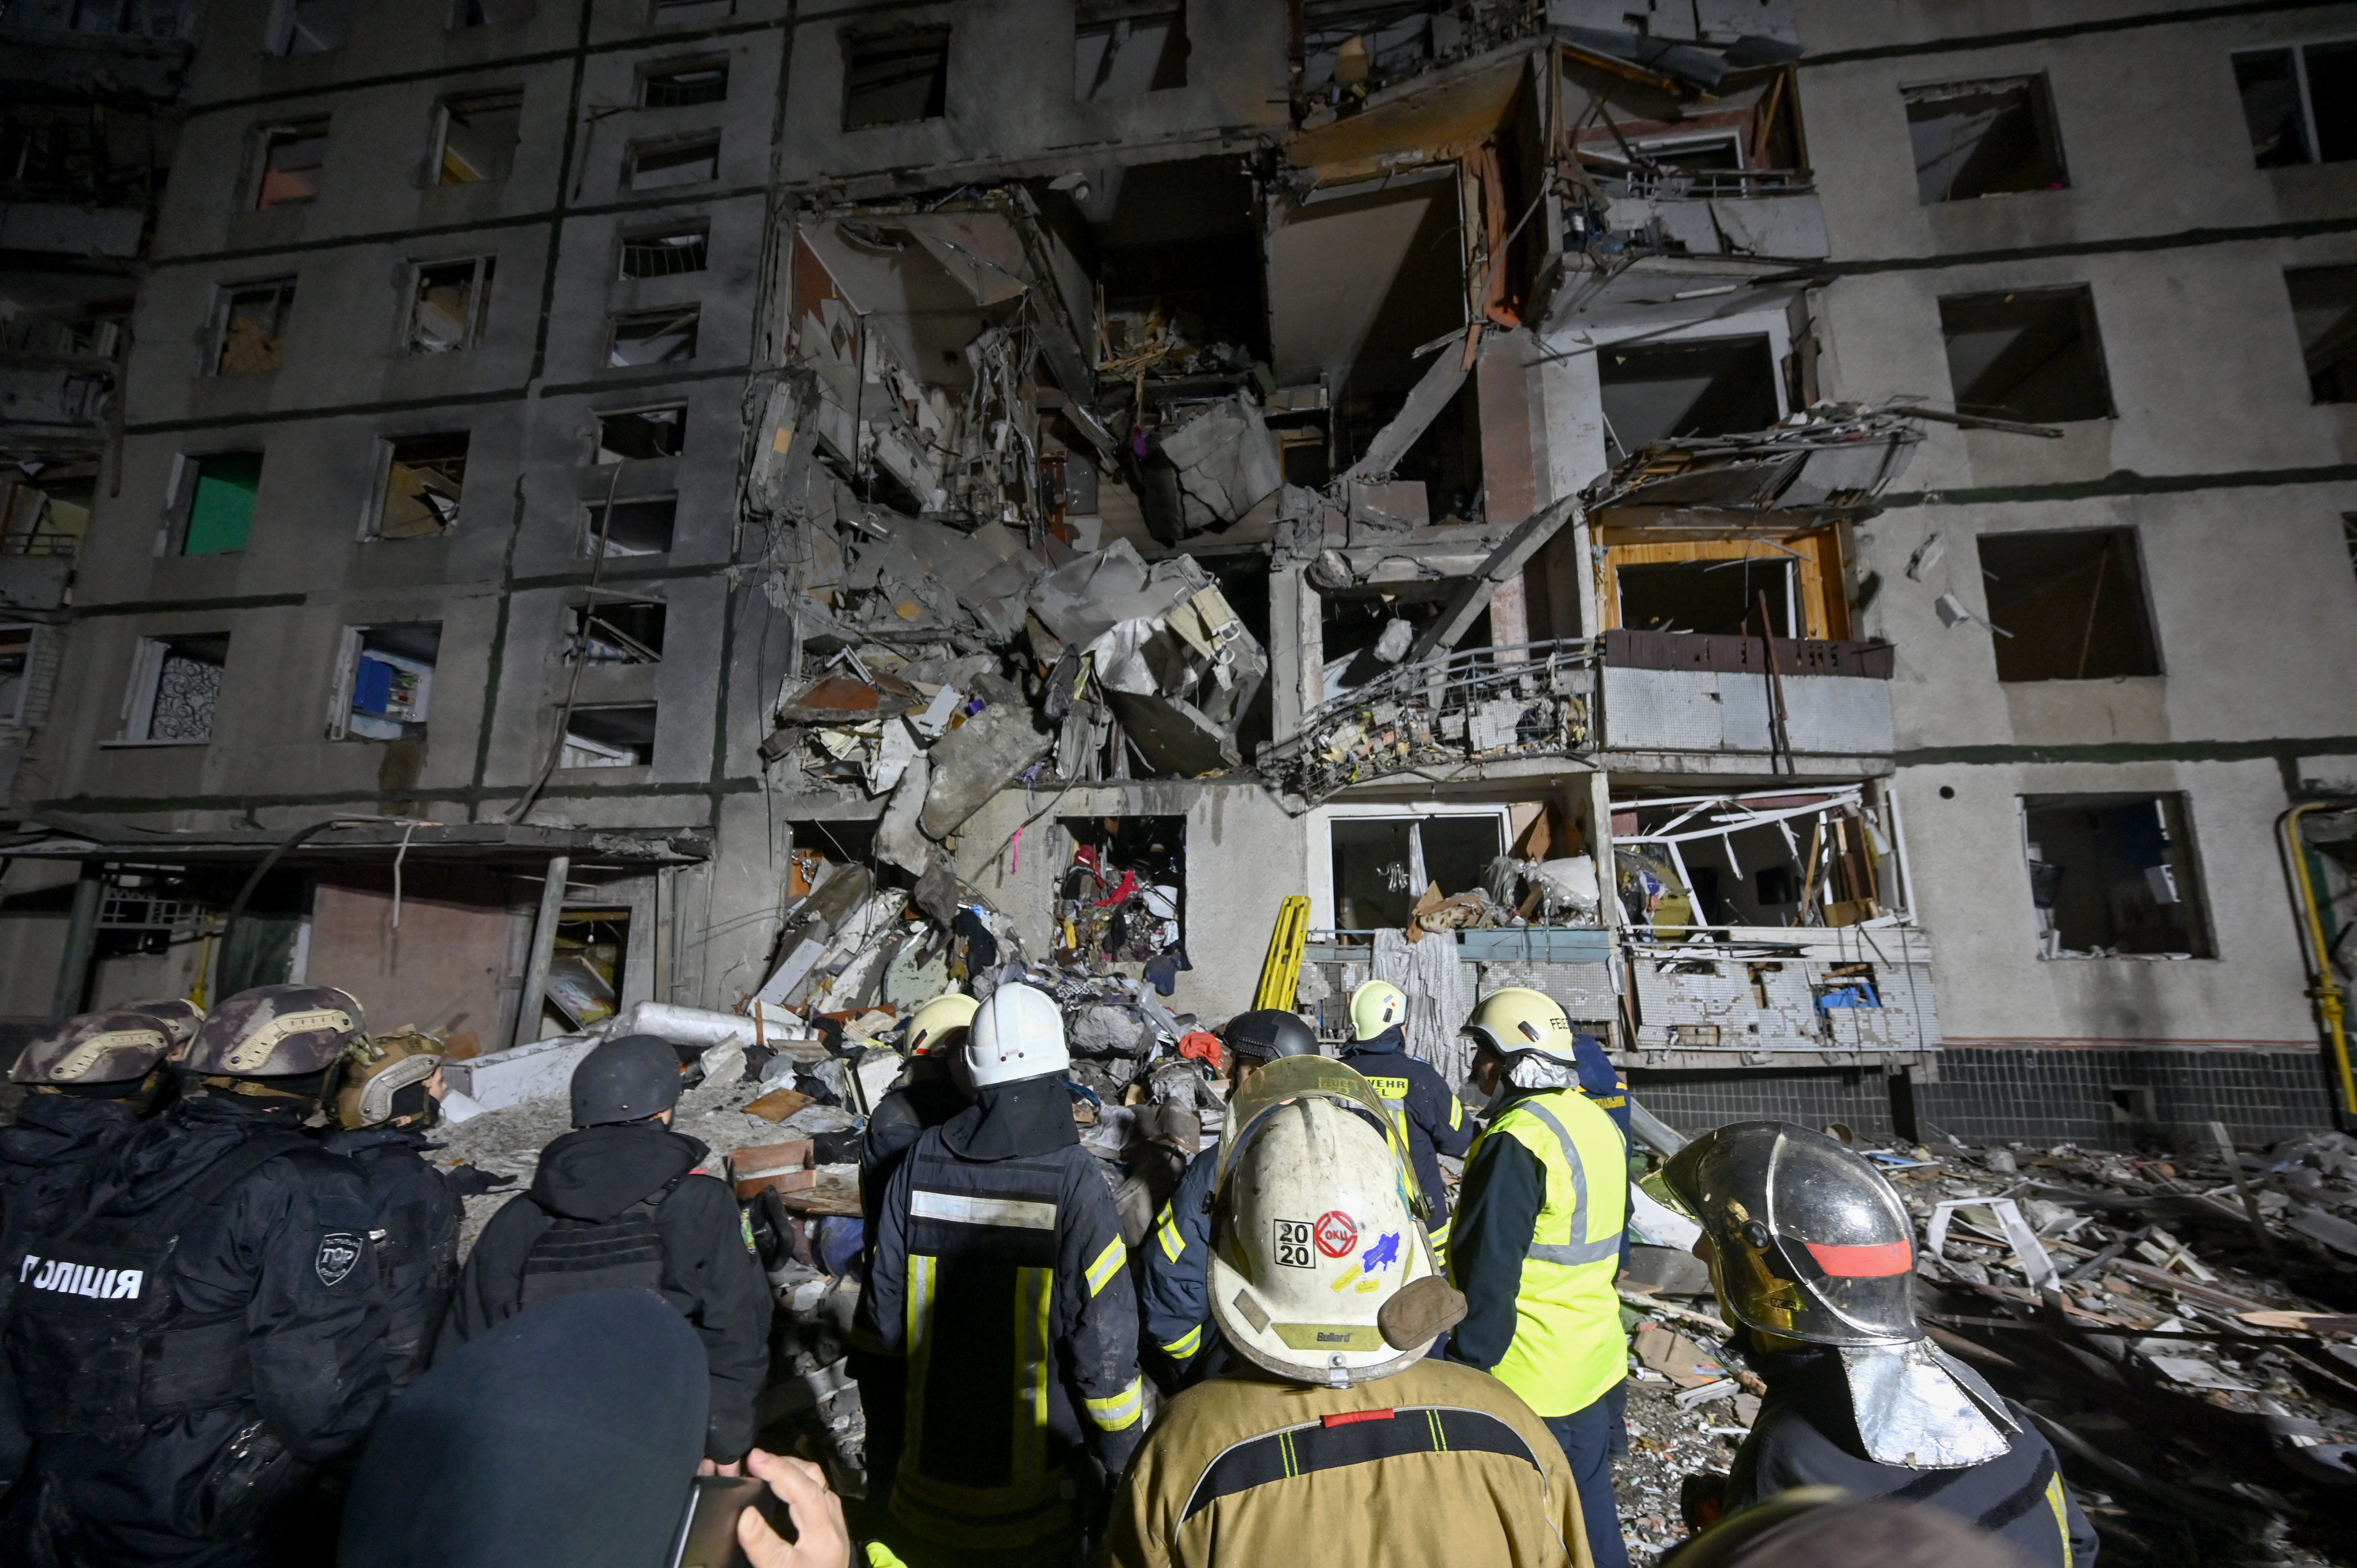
(1780, 525)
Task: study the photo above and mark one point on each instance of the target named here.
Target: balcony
(1691, 693)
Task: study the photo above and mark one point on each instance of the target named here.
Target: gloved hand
(467, 1181)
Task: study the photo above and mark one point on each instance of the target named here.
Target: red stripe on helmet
(1863, 1263)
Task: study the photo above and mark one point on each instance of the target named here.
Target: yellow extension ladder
(1280, 976)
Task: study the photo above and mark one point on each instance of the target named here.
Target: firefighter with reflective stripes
(998, 1276)
(1538, 1243)
(1179, 1250)
(1427, 1109)
(1342, 1442)
(1813, 1257)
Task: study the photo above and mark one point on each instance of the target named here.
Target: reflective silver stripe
(1579, 1253)
(958, 1209)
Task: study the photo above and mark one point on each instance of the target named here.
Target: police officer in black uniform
(200, 1330)
(622, 1202)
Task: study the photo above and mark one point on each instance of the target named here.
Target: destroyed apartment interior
(727, 521)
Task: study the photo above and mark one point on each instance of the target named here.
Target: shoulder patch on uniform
(745, 1226)
(339, 1250)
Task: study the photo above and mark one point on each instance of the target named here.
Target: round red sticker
(1336, 1234)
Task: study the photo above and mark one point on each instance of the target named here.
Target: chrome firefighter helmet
(376, 1070)
(120, 1044)
(276, 1031)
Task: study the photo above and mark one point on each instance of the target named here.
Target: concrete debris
(1825, 464)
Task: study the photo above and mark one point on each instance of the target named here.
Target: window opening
(676, 87)
(2299, 103)
(424, 477)
(1788, 857)
(1983, 138)
(664, 255)
(479, 137)
(2030, 355)
(642, 432)
(638, 525)
(1121, 48)
(617, 736)
(584, 970)
(1123, 897)
(217, 503)
(387, 686)
(1366, 631)
(311, 27)
(1384, 866)
(1653, 392)
(654, 336)
(2113, 875)
(895, 78)
(15, 667)
(1719, 597)
(176, 687)
(2324, 308)
(47, 517)
(451, 305)
(291, 160)
(2072, 605)
(617, 631)
(254, 327)
(668, 164)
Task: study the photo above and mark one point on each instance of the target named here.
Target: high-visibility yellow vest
(1568, 1347)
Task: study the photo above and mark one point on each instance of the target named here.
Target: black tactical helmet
(1267, 1033)
(628, 1079)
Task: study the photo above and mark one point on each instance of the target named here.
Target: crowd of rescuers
(237, 1334)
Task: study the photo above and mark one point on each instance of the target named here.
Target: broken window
(2071, 606)
(617, 631)
(2301, 103)
(666, 164)
(642, 432)
(1713, 386)
(621, 735)
(309, 26)
(384, 682)
(48, 518)
(1384, 866)
(1784, 857)
(479, 137)
(2113, 874)
(1123, 897)
(2324, 308)
(451, 305)
(653, 337)
(254, 327)
(1366, 631)
(423, 476)
(1720, 586)
(1123, 47)
(212, 512)
(665, 254)
(633, 525)
(2032, 355)
(1983, 138)
(896, 78)
(174, 687)
(15, 667)
(291, 159)
(584, 970)
(677, 86)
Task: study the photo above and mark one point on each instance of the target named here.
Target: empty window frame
(663, 336)
(641, 433)
(424, 477)
(2301, 102)
(677, 86)
(48, 518)
(630, 526)
(450, 305)
(659, 165)
(16, 669)
(477, 138)
(665, 254)
(384, 682)
(290, 156)
(252, 334)
(175, 689)
(1983, 138)
(895, 78)
(2071, 605)
(309, 26)
(1711, 386)
(622, 736)
(212, 503)
(2113, 875)
(1123, 47)
(489, 12)
(2033, 354)
(617, 631)
(2324, 308)
(1383, 864)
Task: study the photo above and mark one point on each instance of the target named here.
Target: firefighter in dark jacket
(1813, 1256)
(1429, 1110)
(391, 1093)
(620, 1203)
(202, 1328)
(998, 1277)
(1174, 1298)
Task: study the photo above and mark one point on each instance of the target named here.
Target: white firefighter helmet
(1017, 1034)
(1319, 1271)
(941, 1025)
(1376, 1006)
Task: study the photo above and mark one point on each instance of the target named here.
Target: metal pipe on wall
(81, 941)
(543, 951)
